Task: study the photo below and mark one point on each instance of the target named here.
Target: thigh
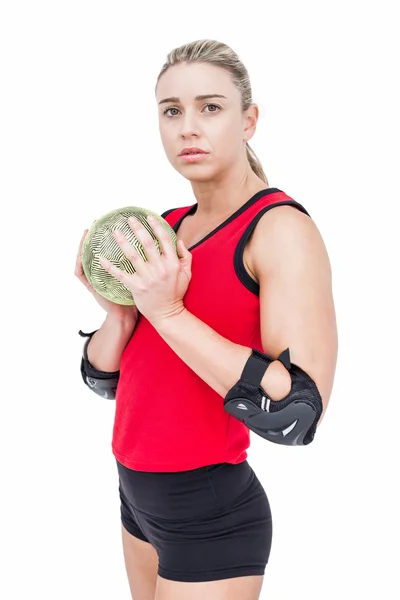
(141, 558)
(141, 563)
(210, 526)
(232, 542)
(239, 588)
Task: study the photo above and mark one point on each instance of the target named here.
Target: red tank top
(167, 418)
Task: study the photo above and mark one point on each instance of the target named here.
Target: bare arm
(108, 343)
(296, 312)
(296, 301)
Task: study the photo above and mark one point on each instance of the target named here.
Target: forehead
(189, 80)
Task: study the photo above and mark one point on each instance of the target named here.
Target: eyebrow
(197, 98)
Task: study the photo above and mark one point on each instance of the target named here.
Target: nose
(189, 125)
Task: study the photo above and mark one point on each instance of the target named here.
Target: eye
(171, 108)
(214, 106)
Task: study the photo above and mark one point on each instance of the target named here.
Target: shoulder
(297, 310)
(165, 213)
(285, 236)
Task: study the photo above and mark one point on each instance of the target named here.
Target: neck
(217, 200)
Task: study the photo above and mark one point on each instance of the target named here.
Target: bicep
(296, 301)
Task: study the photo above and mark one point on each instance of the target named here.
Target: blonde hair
(221, 55)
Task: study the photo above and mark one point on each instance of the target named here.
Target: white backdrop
(79, 137)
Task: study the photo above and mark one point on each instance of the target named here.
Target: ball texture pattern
(99, 241)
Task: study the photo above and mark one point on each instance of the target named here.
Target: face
(199, 106)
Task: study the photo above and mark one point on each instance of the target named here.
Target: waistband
(185, 494)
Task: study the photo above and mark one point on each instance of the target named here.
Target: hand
(160, 283)
(114, 310)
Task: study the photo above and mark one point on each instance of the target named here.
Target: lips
(192, 150)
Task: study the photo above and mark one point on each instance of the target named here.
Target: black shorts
(206, 524)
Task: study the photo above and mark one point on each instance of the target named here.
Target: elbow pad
(291, 421)
(102, 383)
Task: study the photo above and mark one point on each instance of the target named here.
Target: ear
(250, 117)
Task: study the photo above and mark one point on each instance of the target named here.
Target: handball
(99, 241)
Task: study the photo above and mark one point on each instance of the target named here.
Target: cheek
(227, 138)
(167, 141)
(163, 134)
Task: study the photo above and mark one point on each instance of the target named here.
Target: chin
(194, 173)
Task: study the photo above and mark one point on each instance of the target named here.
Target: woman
(196, 521)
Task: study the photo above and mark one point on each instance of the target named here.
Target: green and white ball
(99, 241)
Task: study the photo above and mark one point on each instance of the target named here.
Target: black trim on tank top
(168, 211)
(193, 209)
(240, 269)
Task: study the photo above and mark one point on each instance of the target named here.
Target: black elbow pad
(291, 421)
(102, 383)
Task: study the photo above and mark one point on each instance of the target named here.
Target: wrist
(170, 320)
(125, 321)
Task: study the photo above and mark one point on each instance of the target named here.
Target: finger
(145, 238)
(78, 264)
(122, 276)
(163, 237)
(183, 251)
(184, 254)
(130, 252)
(81, 242)
(185, 258)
